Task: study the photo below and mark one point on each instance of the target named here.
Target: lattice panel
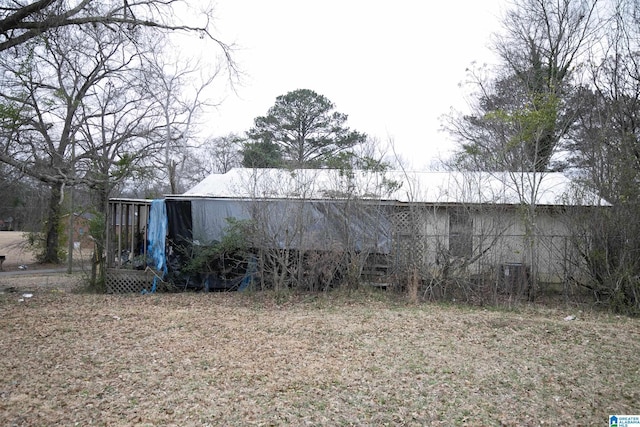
(409, 252)
(409, 245)
(402, 222)
(120, 281)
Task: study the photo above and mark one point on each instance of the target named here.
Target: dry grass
(330, 359)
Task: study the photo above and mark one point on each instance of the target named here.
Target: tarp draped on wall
(210, 217)
(293, 224)
(157, 234)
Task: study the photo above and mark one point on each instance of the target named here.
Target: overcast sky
(392, 67)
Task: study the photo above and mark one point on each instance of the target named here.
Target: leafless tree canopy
(565, 95)
(83, 103)
(23, 20)
(523, 108)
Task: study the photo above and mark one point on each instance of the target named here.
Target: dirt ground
(14, 247)
(342, 358)
(21, 272)
(19, 257)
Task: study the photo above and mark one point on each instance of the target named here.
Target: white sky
(393, 67)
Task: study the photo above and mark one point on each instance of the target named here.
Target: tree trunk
(52, 226)
(98, 259)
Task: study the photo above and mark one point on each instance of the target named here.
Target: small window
(460, 233)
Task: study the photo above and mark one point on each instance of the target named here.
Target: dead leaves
(232, 359)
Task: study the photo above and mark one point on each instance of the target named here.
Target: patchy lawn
(336, 359)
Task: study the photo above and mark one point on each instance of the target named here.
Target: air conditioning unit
(514, 278)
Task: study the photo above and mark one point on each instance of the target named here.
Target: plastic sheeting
(157, 234)
(209, 217)
(297, 224)
(179, 222)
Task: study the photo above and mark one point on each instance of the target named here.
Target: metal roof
(401, 186)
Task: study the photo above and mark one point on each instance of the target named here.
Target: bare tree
(541, 46)
(179, 87)
(524, 108)
(76, 110)
(221, 154)
(51, 87)
(24, 20)
(605, 149)
(24, 200)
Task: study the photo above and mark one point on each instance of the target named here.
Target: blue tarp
(157, 234)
